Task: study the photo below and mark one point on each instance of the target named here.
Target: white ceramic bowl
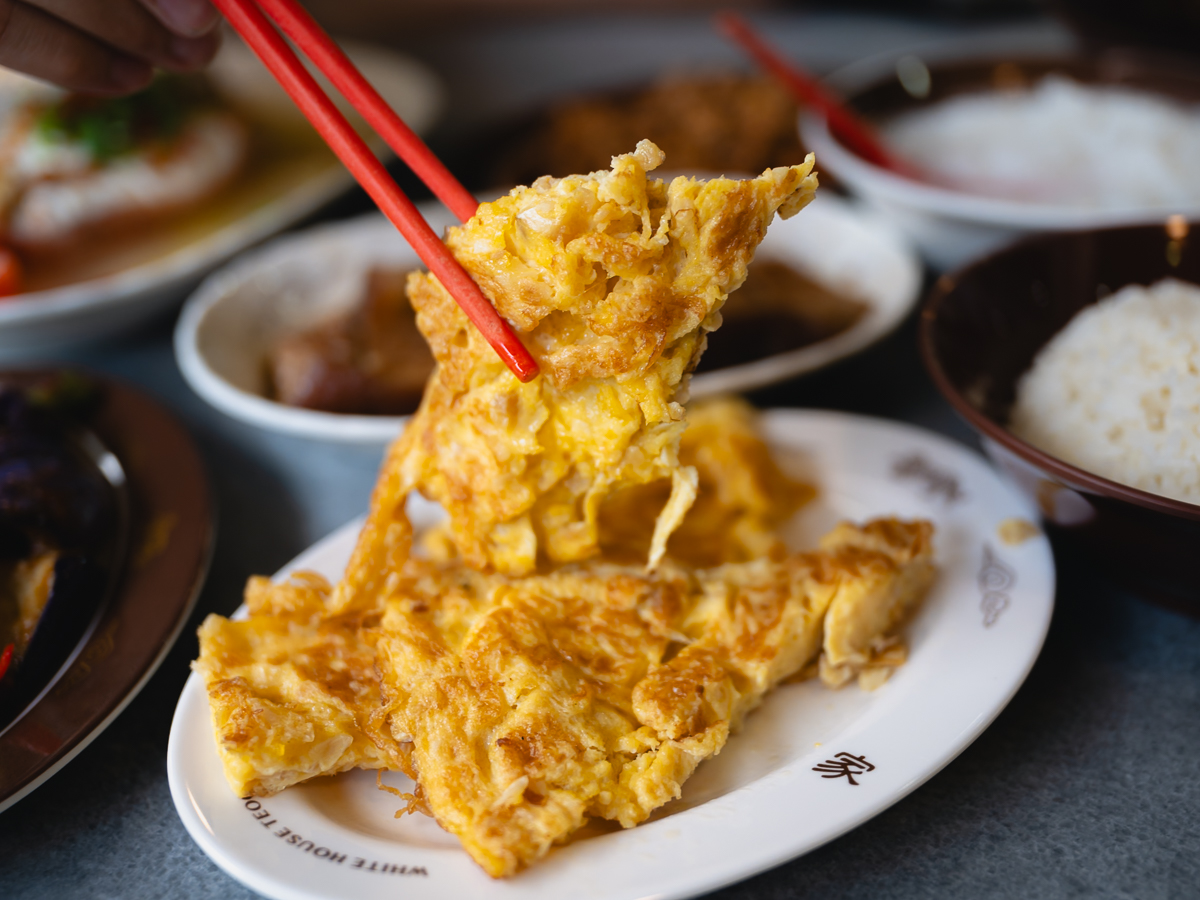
(950, 227)
(39, 323)
(229, 325)
(239, 313)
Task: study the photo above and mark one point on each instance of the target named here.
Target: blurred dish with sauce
(368, 360)
(311, 335)
(297, 321)
(822, 287)
(110, 210)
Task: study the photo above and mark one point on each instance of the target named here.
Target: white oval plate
(760, 802)
(229, 325)
(43, 321)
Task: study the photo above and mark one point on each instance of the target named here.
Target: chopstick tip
(524, 366)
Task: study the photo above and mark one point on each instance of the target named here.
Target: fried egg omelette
(610, 595)
(742, 495)
(289, 687)
(612, 280)
(522, 706)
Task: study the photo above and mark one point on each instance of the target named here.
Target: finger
(42, 46)
(191, 18)
(127, 25)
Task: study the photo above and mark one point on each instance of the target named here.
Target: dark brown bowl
(980, 330)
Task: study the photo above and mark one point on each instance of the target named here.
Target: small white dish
(160, 272)
(774, 792)
(229, 325)
(952, 228)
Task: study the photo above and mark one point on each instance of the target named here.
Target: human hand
(105, 47)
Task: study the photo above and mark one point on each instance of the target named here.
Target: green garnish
(109, 128)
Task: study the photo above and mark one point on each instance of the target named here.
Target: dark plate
(980, 331)
(170, 543)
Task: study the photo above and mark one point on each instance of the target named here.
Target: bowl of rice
(1024, 142)
(1076, 357)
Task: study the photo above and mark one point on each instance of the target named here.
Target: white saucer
(774, 792)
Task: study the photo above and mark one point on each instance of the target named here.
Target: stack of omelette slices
(609, 596)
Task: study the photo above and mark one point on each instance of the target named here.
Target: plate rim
(689, 886)
(179, 265)
(90, 704)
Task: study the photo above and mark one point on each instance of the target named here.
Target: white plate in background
(39, 323)
(954, 227)
(767, 797)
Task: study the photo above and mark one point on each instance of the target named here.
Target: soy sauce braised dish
(63, 527)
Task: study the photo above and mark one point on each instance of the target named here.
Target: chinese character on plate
(844, 765)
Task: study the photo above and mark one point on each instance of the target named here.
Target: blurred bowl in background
(980, 331)
(833, 255)
(949, 226)
(407, 86)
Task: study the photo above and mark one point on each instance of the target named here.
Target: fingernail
(128, 73)
(191, 17)
(190, 51)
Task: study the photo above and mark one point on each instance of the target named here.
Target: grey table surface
(1087, 785)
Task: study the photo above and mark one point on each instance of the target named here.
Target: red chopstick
(260, 35)
(318, 46)
(845, 125)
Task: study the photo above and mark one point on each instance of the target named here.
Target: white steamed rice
(1117, 392)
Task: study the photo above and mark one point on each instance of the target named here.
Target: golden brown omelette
(290, 687)
(612, 280)
(523, 706)
(610, 595)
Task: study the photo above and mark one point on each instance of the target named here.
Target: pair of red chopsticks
(249, 19)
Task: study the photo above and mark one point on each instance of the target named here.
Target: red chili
(5, 659)
(11, 273)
